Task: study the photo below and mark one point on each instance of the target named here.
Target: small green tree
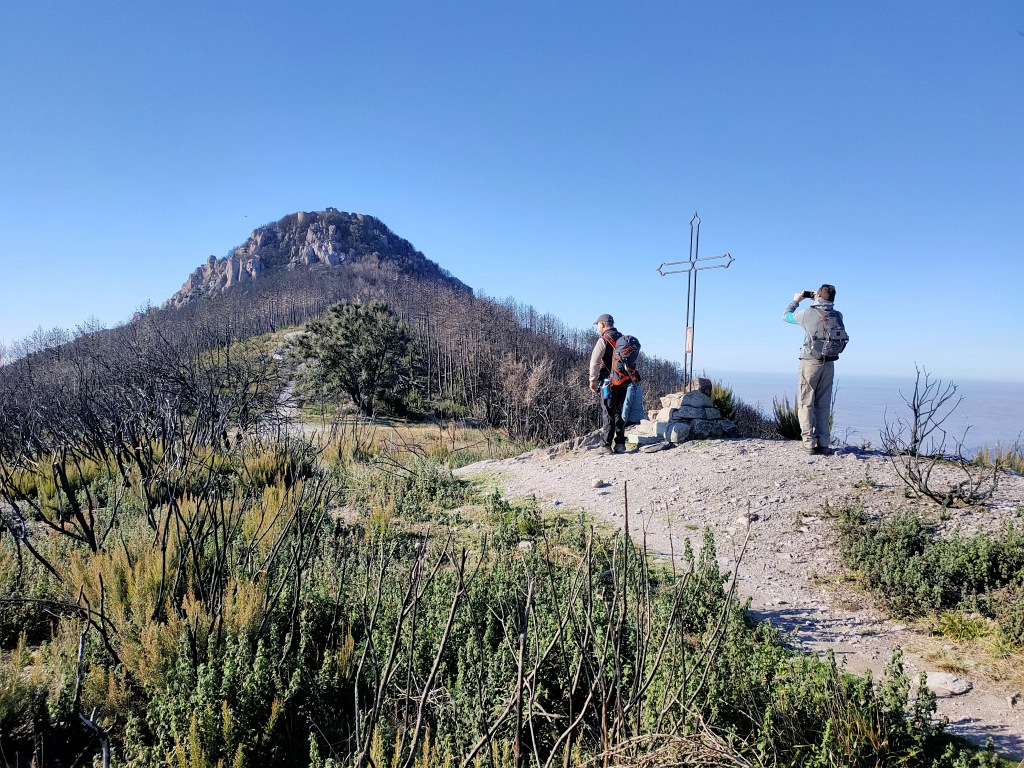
(359, 350)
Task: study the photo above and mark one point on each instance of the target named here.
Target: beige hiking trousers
(814, 400)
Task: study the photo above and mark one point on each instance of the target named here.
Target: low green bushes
(384, 613)
(917, 572)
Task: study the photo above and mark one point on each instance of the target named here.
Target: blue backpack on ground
(633, 407)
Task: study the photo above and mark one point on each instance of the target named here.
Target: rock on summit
(327, 239)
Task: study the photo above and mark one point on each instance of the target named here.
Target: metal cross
(691, 270)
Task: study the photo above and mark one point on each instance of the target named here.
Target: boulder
(677, 432)
(700, 384)
(665, 414)
(703, 429)
(945, 684)
(647, 428)
(686, 412)
(697, 400)
(641, 441)
(672, 401)
(661, 445)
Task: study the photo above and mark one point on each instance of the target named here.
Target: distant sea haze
(993, 410)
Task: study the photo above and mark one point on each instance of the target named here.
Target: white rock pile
(682, 417)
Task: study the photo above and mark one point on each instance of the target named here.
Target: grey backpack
(830, 337)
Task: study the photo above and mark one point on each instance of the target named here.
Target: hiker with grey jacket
(613, 426)
(825, 338)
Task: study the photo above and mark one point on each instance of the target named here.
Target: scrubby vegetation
(749, 420)
(1009, 456)
(917, 572)
(360, 351)
(919, 446)
(497, 363)
(220, 590)
(277, 610)
(787, 420)
(723, 398)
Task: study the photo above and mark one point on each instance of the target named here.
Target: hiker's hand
(593, 387)
(798, 297)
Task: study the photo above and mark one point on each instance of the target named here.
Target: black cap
(606, 319)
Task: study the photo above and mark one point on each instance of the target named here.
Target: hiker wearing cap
(825, 338)
(613, 427)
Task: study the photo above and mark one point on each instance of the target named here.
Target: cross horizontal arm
(692, 264)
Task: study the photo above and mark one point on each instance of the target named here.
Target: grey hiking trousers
(814, 401)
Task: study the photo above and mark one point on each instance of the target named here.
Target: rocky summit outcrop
(328, 239)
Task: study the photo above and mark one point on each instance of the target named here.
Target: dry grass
(1011, 457)
(988, 656)
(449, 443)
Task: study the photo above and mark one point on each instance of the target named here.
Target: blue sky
(550, 152)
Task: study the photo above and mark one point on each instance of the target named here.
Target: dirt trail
(791, 568)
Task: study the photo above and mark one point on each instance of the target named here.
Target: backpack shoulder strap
(823, 315)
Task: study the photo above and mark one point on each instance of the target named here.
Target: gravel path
(791, 568)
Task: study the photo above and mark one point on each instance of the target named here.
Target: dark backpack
(829, 338)
(625, 351)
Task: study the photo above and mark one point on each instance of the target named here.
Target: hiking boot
(604, 450)
(620, 448)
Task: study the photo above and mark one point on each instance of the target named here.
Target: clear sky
(552, 152)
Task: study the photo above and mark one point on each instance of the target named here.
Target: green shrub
(450, 409)
(751, 422)
(282, 463)
(1006, 605)
(429, 486)
(787, 422)
(915, 571)
(512, 522)
(722, 398)
(23, 693)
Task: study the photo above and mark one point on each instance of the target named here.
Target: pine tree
(360, 351)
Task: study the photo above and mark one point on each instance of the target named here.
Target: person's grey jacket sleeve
(597, 359)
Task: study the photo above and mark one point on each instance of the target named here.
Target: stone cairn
(683, 416)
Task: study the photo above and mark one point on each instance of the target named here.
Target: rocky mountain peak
(327, 239)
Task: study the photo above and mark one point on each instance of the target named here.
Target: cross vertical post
(691, 269)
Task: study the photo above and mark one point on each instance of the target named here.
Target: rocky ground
(777, 494)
